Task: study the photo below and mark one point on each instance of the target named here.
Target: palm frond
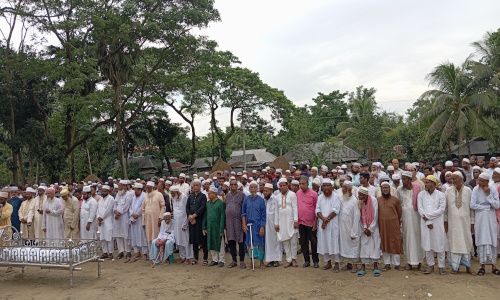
(438, 124)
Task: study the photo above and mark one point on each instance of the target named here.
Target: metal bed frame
(63, 254)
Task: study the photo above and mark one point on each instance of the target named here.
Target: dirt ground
(140, 281)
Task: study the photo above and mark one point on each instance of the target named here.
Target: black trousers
(308, 235)
(204, 246)
(241, 252)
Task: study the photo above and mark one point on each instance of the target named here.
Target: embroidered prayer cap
(213, 189)
(324, 168)
(150, 183)
(484, 176)
(282, 180)
(279, 171)
(168, 182)
(448, 163)
(390, 168)
(396, 177)
(253, 183)
(175, 188)
(395, 161)
(86, 189)
(296, 182)
(138, 186)
(458, 173)
(343, 167)
(348, 183)
(196, 180)
(497, 170)
(432, 178)
(123, 181)
(363, 190)
(383, 184)
(106, 187)
(407, 174)
(316, 182)
(182, 175)
(64, 192)
(326, 181)
(30, 190)
(315, 169)
(4, 195)
(226, 183)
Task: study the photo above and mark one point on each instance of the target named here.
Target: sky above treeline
(306, 47)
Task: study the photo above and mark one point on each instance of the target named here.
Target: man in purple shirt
(306, 206)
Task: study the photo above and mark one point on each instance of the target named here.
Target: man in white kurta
(459, 223)
(273, 248)
(431, 207)
(121, 220)
(286, 222)
(484, 201)
(24, 211)
(137, 234)
(105, 222)
(71, 216)
(166, 239)
(52, 223)
(370, 235)
(327, 210)
(184, 187)
(349, 228)
(35, 215)
(410, 219)
(181, 231)
(88, 212)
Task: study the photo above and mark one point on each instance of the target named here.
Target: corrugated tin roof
(301, 153)
(201, 163)
(478, 146)
(260, 155)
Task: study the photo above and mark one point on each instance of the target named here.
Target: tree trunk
(13, 136)
(37, 172)
(169, 165)
(117, 107)
(193, 144)
(21, 168)
(72, 167)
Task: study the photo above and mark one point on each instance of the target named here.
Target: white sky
(306, 47)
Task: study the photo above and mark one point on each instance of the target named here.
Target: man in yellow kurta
(5, 210)
(71, 215)
(35, 215)
(24, 210)
(152, 211)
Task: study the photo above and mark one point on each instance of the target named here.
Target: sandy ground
(140, 281)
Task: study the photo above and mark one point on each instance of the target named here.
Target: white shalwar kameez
(486, 226)
(349, 217)
(52, 222)
(88, 214)
(181, 227)
(412, 239)
(370, 245)
(121, 226)
(184, 188)
(273, 248)
(285, 215)
(137, 234)
(104, 211)
(329, 238)
(35, 217)
(433, 240)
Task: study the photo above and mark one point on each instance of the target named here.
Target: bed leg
(71, 277)
(98, 269)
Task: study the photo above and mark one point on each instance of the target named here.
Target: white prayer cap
(288, 171)
(476, 168)
(324, 168)
(254, 171)
(226, 183)
(296, 182)
(316, 182)
(208, 180)
(363, 190)
(238, 174)
(343, 167)
(86, 189)
(138, 186)
(214, 189)
(244, 176)
(448, 163)
(282, 180)
(13, 188)
(162, 179)
(407, 174)
(374, 163)
(497, 170)
(182, 175)
(106, 187)
(269, 186)
(196, 180)
(348, 183)
(384, 183)
(138, 179)
(279, 171)
(245, 172)
(214, 178)
(110, 177)
(268, 167)
(4, 195)
(232, 177)
(327, 181)
(445, 173)
(150, 183)
(123, 181)
(206, 173)
(30, 190)
(484, 176)
(396, 177)
(240, 185)
(115, 186)
(168, 182)
(493, 158)
(390, 168)
(314, 168)
(253, 183)
(167, 214)
(175, 188)
(458, 173)
(466, 160)
(195, 175)
(89, 182)
(42, 187)
(357, 164)
(384, 178)
(340, 171)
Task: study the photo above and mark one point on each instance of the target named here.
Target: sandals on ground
(480, 272)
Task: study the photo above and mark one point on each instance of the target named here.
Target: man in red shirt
(306, 206)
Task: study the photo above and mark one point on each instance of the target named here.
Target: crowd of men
(352, 217)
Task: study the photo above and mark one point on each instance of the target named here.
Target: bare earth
(140, 281)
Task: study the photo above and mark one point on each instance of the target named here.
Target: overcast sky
(306, 47)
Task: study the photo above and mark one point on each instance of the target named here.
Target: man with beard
(355, 174)
(105, 222)
(166, 237)
(307, 200)
(459, 223)
(475, 176)
(24, 212)
(195, 209)
(166, 196)
(253, 212)
(234, 230)
(389, 221)
(71, 215)
(349, 228)
(121, 219)
(273, 252)
(137, 235)
(179, 202)
(370, 236)
(52, 223)
(213, 228)
(16, 202)
(153, 209)
(448, 181)
(88, 212)
(431, 207)
(484, 202)
(183, 186)
(294, 186)
(314, 175)
(286, 222)
(412, 244)
(327, 210)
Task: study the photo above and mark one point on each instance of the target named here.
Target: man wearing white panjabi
(431, 207)
(484, 201)
(181, 231)
(349, 228)
(105, 222)
(184, 187)
(327, 210)
(137, 234)
(24, 211)
(286, 222)
(88, 222)
(121, 220)
(35, 215)
(410, 218)
(165, 238)
(273, 252)
(52, 223)
(459, 223)
(370, 236)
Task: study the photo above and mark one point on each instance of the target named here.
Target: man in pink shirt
(306, 206)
